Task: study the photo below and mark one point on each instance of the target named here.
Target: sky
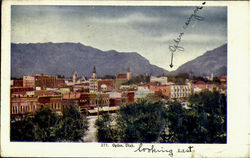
(147, 30)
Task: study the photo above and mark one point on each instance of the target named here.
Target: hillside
(65, 58)
(214, 61)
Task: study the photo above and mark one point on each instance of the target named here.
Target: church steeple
(128, 70)
(93, 72)
(129, 76)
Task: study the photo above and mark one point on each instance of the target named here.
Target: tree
(175, 116)
(212, 112)
(106, 132)
(141, 121)
(138, 79)
(22, 130)
(73, 125)
(46, 125)
(204, 122)
(108, 77)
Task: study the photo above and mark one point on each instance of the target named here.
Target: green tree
(106, 132)
(22, 130)
(46, 125)
(175, 115)
(212, 112)
(141, 121)
(73, 125)
(204, 122)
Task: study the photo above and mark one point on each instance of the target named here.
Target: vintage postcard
(125, 79)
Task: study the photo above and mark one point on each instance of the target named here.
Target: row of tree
(151, 121)
(138, 79)
(47, 126)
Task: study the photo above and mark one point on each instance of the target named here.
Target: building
(21, 105)
(93, 81)
(200, 86)
(117, 98)
(16, 83)
(41, 82)
(54, 102)
(86, 101)
(122, 78)
(161, 90)
(81, 87)
(130, 96)
(180, 91)
(129, 74)
(142, 92)
(74, 77)
(106, 85)
(173, 90)
(20, 90)
(223, 79)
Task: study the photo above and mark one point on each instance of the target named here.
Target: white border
(238, 72)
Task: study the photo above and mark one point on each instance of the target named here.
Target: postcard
(125, 79)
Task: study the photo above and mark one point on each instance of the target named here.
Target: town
(95, 96)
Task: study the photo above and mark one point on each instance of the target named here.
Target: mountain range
(213, 61)
(65, 58)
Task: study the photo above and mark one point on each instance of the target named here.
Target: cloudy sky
(147, 30)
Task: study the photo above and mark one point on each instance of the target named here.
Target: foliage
(73, 125)
(204, 122)
(48, 126)
(141, 121)
(60, 76)
(105, 131)
(138, 79)
(179, 78)
(22, 130)
(108, 77)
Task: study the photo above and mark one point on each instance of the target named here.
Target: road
(90, 136)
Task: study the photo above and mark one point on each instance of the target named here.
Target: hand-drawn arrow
(171, 65)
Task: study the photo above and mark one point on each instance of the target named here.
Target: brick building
(21, 105)
(42, 82)
(86, 101)
(16, 83)
(53, 102)
(200, 86)
(106, 85)
(173, 90)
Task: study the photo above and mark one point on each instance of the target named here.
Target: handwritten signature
(176, 46)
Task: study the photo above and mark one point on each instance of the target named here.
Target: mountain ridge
(212, 61)
(67, 57)
(52, 58)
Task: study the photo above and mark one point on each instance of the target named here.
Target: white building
(180, 91)
(142, 92)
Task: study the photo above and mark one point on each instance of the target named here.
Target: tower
(129, 76)
(93, 73)
(93, 81)
(74, 77)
